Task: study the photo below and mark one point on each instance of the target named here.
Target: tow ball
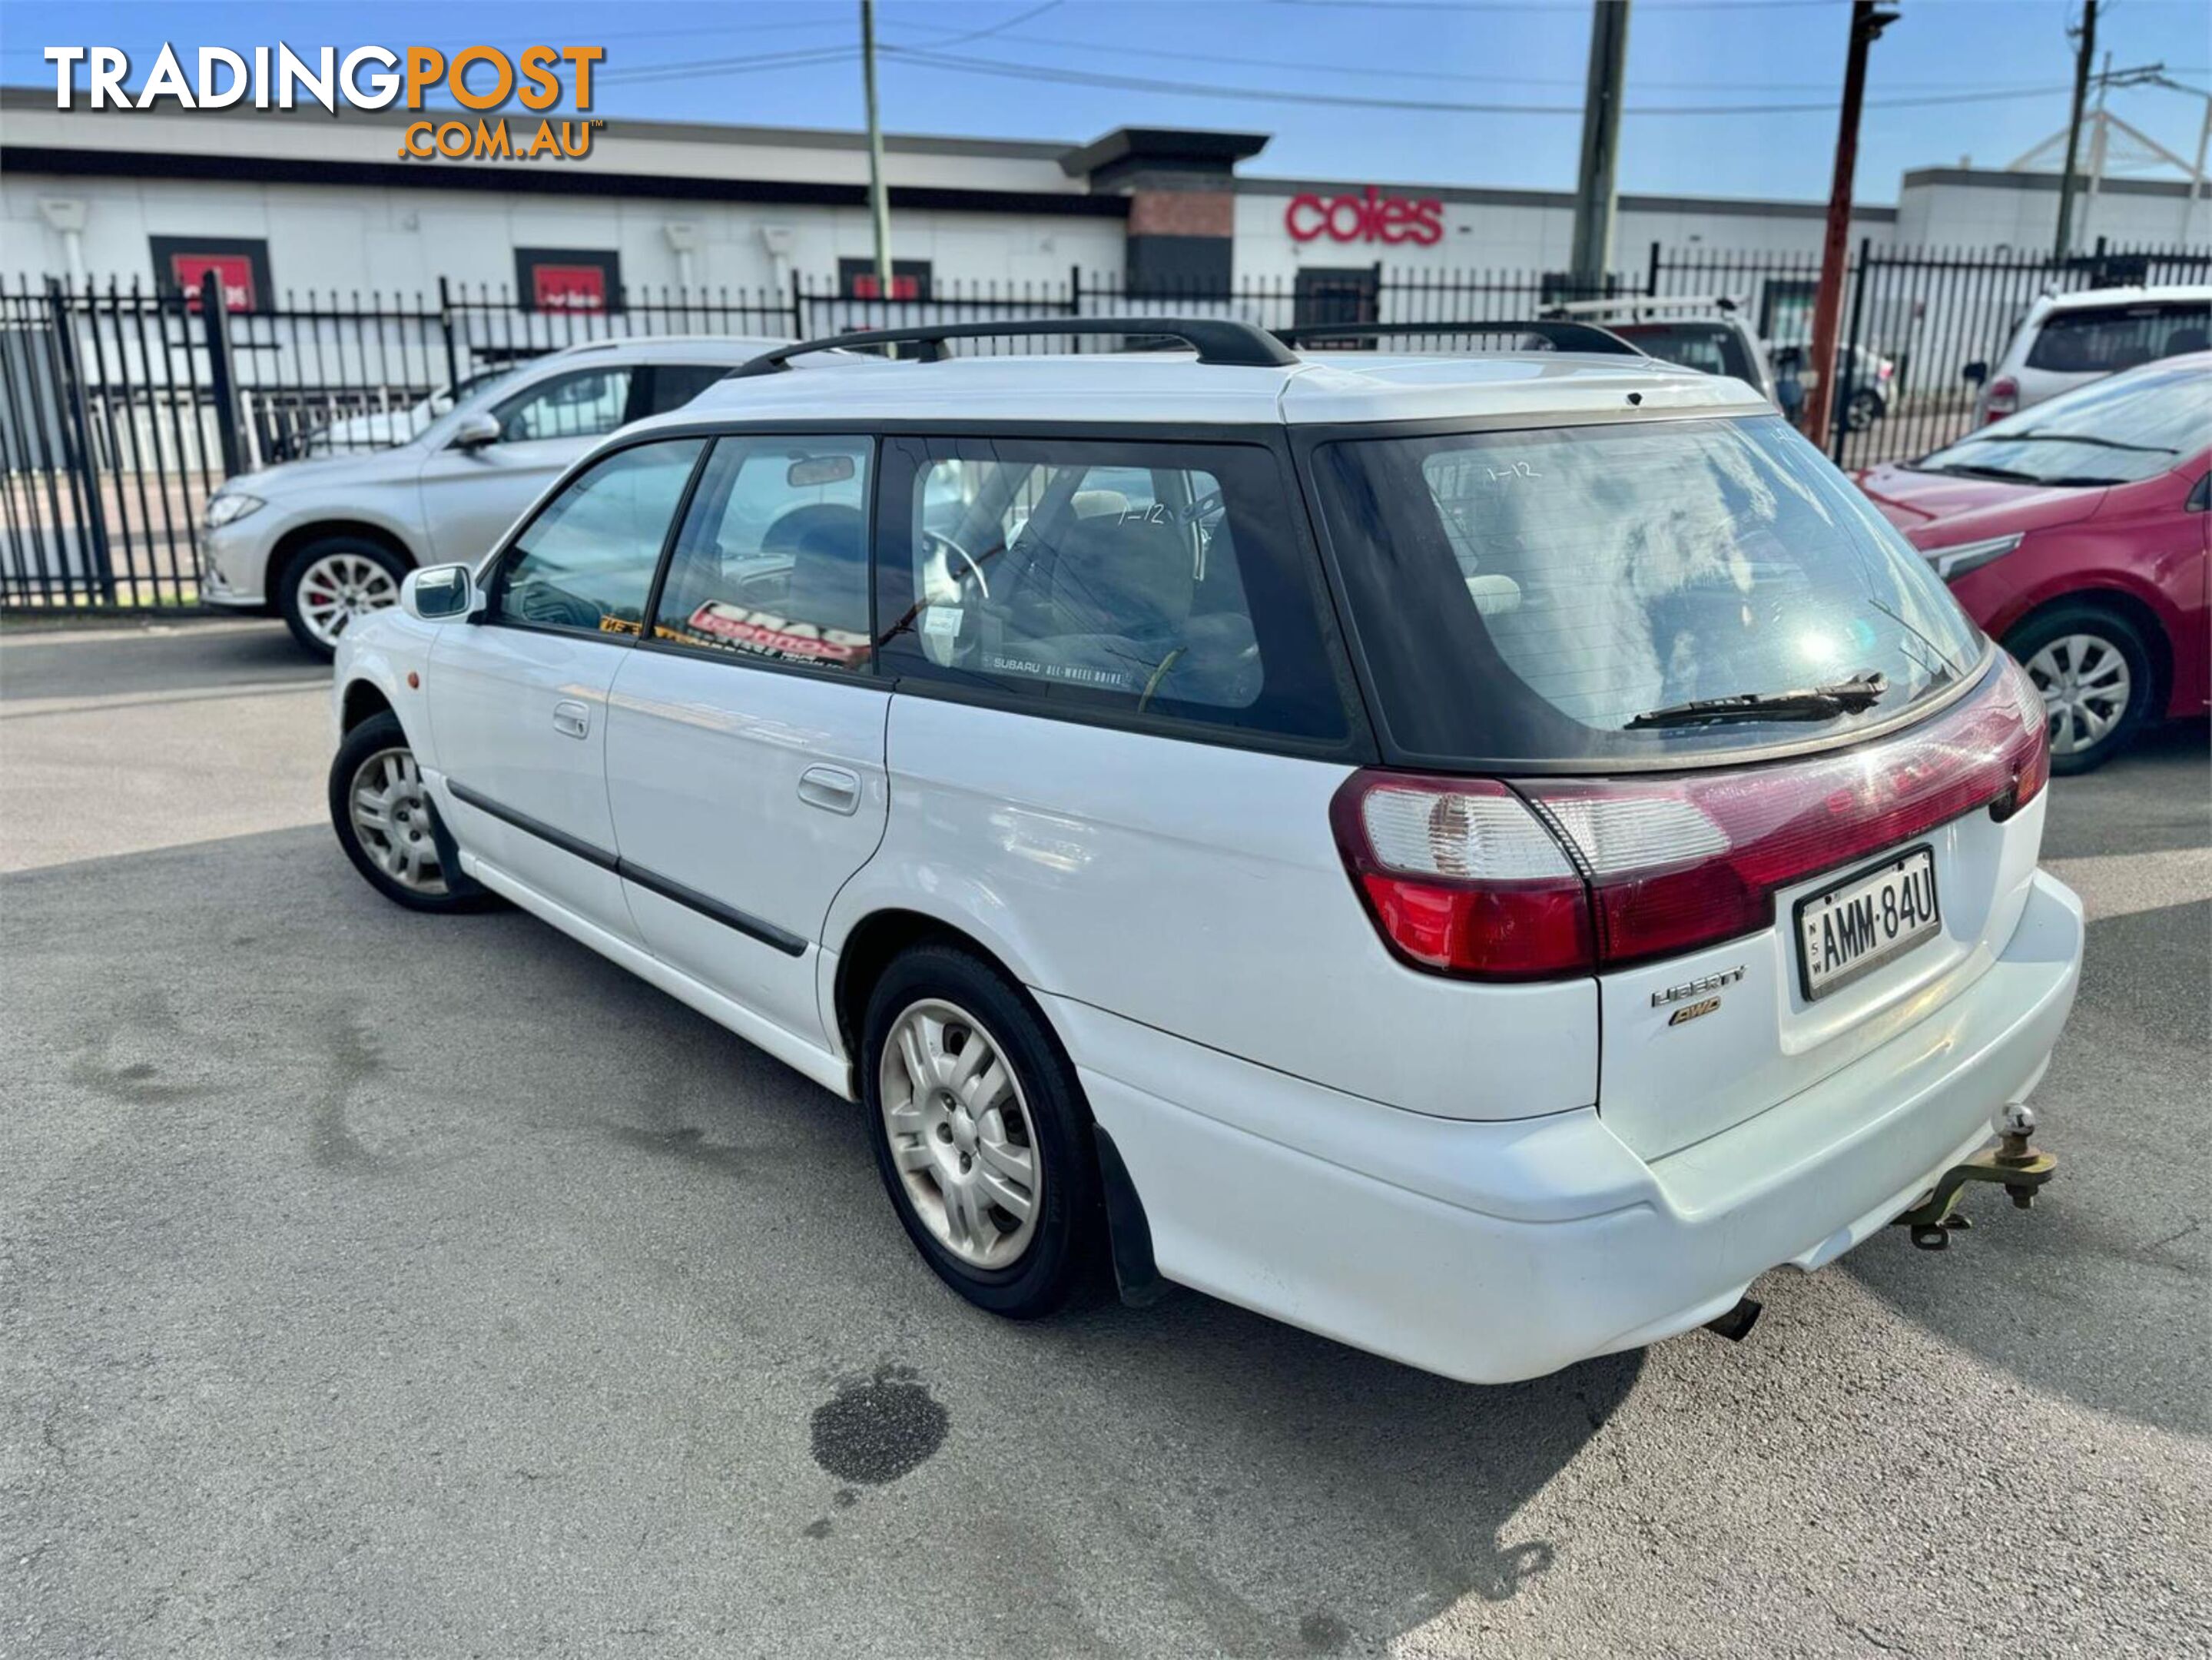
(2013, 1164)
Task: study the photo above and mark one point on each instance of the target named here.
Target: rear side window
(772, 562)
(674, 384)
(586, 404)
(1161, 580)
(1528, 596)
(2097, 340)
(587, 560)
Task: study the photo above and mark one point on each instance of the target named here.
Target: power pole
(1867, 22)
(1591, 257)
(2084, 55)
(879, 197)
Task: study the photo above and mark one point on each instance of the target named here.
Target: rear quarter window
(1158, 582)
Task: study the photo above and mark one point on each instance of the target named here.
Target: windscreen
(1569, 594)
(2119, 431)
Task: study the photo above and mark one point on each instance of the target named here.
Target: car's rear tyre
(331, 584)
(2096, 677)
(981, 1132)
(1864, 410)
(388, 824)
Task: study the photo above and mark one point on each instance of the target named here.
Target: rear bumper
(1489, 1252)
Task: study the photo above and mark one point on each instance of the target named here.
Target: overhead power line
(1014, 71)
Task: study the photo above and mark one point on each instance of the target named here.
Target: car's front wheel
(331, 584)
(2094, 672)
(388, 824)
(981, 1132)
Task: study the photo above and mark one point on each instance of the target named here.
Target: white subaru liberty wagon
(1478, 856)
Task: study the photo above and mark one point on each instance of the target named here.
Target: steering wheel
(943, 545)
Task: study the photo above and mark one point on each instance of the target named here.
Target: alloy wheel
(960, 1136)
(2086, 685)
(391, 814)
(338, 589)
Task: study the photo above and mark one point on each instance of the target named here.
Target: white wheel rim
(390, 815)
(2085, 686)
(961, 1136)
(339, 588)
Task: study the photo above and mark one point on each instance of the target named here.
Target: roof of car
(2200, 292)
(659, 348)
(1174, 388)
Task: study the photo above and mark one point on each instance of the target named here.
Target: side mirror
(476, 432)
(440, 594)
(1975, 372)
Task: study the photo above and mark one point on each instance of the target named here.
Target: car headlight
(1958, 560)
(226, 506)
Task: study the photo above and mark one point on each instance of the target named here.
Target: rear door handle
(831, 788)
(571, 719)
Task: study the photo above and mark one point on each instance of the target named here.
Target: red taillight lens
(1462, 878)
(2003, 399)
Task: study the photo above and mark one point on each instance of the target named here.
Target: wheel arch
(289, 546)
(871, 945)
(2130, 607)
(362, 700)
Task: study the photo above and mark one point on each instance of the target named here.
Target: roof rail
(1215, 339)
(1562, 335)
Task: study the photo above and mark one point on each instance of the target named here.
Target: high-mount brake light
(1542, 878)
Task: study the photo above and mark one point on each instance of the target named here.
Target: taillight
(1462, 879)
(2003, 399)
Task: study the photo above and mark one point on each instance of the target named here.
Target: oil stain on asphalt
(875, 1431)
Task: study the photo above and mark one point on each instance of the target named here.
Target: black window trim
(1357, 747)
(864, 673)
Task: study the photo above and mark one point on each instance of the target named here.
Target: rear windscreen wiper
(1806, 703)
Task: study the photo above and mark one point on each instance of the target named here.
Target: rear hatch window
(2098, 339)
(1709, 348)
(1564, 595)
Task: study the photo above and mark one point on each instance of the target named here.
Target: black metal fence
(122, 407)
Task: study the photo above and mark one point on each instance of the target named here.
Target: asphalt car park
(375, 1282)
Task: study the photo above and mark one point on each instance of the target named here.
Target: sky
(1725, 97)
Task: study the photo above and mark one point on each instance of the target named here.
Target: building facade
(299, 203)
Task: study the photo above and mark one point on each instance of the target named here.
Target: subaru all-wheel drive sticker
(759, 630)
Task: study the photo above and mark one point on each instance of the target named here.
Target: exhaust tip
(1736, 1325)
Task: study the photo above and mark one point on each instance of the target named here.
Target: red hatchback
(2075, 533)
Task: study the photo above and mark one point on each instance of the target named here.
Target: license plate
(1865, 920)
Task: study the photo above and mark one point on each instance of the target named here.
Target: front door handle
(831, 788)
(571, 719)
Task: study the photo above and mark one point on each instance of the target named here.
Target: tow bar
(2013, 1164)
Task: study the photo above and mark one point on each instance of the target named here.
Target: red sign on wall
(1370, 216)
(233, 271)
(569, 288)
